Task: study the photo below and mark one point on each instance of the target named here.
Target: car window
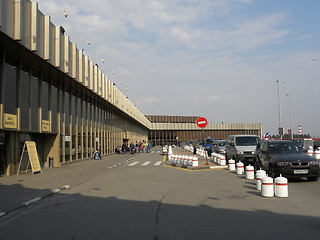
(247, 141)
(284, 147)
(264, 147)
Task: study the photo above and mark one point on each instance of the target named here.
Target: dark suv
(286, 158)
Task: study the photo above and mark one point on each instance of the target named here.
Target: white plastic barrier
(183, 160)
(259, 175)
(195, 162)
(201, 153)
(214, 157)
(222, 160)
(173, 157)
(249, 172)
(170, 152)
(186, 160)
(317, 154)
(176, 161)
(267, 189)
(232, 165)
(310, 151)
(281, 187)
(240, 168)
(190, 161)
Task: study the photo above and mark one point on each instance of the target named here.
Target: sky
(219, 59)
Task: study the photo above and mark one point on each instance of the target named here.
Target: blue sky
(218, 59)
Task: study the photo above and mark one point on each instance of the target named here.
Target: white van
(241, 148)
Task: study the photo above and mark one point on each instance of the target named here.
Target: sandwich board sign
(29, 157)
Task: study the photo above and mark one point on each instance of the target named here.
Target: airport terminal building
(53, 94)
(179, 129)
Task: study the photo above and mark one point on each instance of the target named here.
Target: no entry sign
(201, 122)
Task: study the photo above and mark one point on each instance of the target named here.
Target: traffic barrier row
(184, 160)
(199, 151)
(279, 188)
(268, 186)
(219, 159)
(202, 152)
(265, 184)
(315, 154)
(215, 157)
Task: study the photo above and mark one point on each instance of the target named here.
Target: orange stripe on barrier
(281, 184)
(267, 183)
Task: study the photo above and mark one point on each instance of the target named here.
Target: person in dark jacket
(97, 155)
(194, 144)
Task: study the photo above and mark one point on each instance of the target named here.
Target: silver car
(219, 146)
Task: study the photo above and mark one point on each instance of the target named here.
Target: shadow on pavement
(75, 216)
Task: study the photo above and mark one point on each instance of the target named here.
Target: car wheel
(313, 178)
(256, 165)
(271, 172)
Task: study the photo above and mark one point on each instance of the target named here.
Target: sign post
(202, 123)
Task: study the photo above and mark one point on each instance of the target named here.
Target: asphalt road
(158, 202)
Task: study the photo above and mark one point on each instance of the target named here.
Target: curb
(34, 200)
(197, 168)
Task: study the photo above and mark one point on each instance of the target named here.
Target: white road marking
(132, 164)
(158, 163)
(146, 163)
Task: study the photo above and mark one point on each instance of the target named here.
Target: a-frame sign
(30, 159)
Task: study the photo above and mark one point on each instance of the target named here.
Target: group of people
(138, 147)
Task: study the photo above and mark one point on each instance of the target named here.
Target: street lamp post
(290, 115)
(280, 130)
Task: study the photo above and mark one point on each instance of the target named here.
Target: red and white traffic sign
(201, 122)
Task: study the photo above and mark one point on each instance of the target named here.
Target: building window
(24, 99)
(54, 106)
(34, 104)
(45, 100)
(10, 85)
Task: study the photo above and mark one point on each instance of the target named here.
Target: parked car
(208, 144)
(286, 158)
(241, 148)
(219, 146)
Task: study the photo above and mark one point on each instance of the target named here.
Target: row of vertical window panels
(22, 21)
(84, 126)
(174, 137)
(172, 119)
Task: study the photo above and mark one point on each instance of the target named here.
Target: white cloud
(196, 56)
(181, 35)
